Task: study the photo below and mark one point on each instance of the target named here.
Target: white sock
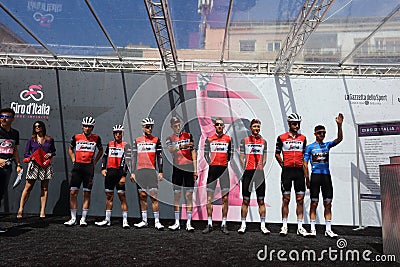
(144, 215)
(284, 222)
(156, 216)
(312, 225)
(299, 223)
(176, 216)
(262, 221)
(108, 215)
(243, 222)
(125, 215)
(209, 221)
(73, 214)
(189, 216)
(223, 222)
(328, 225)
(84, 214)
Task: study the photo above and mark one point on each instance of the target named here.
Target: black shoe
(2, 229)
(208, 229)
(224, 229)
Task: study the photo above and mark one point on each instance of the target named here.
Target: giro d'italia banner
(378, 142)
(62, 98)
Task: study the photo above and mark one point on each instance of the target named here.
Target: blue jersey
(318, 154)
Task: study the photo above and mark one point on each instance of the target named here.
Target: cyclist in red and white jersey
(146, 153)
(253, 156)
(184, 173)
(114, 168)
(84, 160)
(292, 145)
(218, 152)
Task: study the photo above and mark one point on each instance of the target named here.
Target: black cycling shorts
(221, 173)
(82, 173)
(255, 177)
(146, 179)
(5, 175)
(112, 179)
(324, 182)
(183, 176)
(295, 175)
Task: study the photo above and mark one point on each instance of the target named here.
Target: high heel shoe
(19, 215)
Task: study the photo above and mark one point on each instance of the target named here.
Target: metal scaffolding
(305, 24)
(158, 12)
(155, 65)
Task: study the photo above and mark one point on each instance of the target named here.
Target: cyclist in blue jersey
(318, 154)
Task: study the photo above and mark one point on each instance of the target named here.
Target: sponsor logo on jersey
(254, 149)
(85, 146)
(6, 146)
(146, 147)
(320, 157)
(293, 145)
(115, 152)
(219, 147)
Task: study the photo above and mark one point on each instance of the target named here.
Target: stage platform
(32, 241)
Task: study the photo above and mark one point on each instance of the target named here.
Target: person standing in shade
(292, 145)
(36, 171)
(84, 160)
(184, 173)
(318, 154)
(253, 156)
(114, 168)
(218, 152)
(9, 141)
(146, 153)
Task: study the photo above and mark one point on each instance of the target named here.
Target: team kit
(144, 158)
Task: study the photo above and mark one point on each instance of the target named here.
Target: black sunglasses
(148, 126)
(219, 124)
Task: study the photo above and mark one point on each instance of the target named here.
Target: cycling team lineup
(142, 163)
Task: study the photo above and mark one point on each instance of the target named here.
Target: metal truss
(305, 24)
(162, 28)
(155, 65)
(161, 24)
(285, 97)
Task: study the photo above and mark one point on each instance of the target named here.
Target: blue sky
(127, 23)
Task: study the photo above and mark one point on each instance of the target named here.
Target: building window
(274, 46)
(364, 49)
(247, 45)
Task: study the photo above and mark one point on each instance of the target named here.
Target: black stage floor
(47, 242)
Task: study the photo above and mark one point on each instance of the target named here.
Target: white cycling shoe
(103, 223)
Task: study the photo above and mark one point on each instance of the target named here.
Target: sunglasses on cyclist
(5, 116)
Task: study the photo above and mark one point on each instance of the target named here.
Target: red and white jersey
(218, 149)
(182, 156)
(292, 148)
(113, 155)
(254, 147)
(147, 149)
(85, 147)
